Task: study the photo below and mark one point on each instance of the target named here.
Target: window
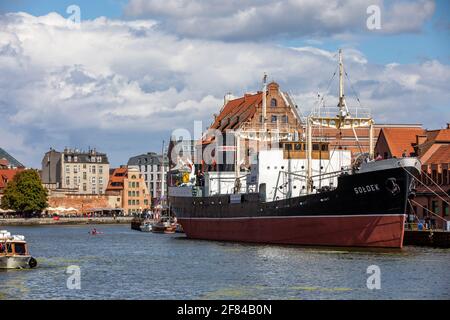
(99, 159)
(129, 202)
(129, 193)
(297, 147)
(288, 146)
(445, 209)
(273, 102)
(93, 169)
(75, 158)
(137, 184)
(84, 187)
(100, 180)
(324, 147)
(100, 169)
(273, 119)
(137, 202)
(434, 207)
(67, 181)
(133, 184)
(75, 169)
(133, 177)
(284, 119)
(315, 147)
(19, 248)
(137, 193)
(67, 168)
(84, 175)
(84, 165)
(69, 158)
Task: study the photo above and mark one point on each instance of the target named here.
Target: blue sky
(115, 84)
(433, 42)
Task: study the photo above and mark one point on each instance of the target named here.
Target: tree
(25, 193)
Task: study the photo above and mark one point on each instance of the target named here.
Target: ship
(292, 193)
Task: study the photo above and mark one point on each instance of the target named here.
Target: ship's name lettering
(366, 188)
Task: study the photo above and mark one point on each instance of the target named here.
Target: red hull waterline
(344, 231)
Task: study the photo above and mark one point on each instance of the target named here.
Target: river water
(125, 264)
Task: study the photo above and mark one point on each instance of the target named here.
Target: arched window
(133, 177)
(273, 102)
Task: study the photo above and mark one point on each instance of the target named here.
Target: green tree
(25, 193)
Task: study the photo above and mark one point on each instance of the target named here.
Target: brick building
(7, 175)
(127, 189)
(432, 147)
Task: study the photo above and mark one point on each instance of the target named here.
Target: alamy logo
(374, 280)
(74, 280)
(74, 20)
(373, 22)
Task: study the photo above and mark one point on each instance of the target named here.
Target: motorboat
(14, 252)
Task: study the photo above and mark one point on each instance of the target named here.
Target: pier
(63, 221)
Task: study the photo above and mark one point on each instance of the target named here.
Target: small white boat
(146, 227)
(14, 252)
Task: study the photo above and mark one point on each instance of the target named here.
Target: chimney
(448, 125)
(420, 139)
(227, 98)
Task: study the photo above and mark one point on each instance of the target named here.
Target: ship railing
(270, 126)
(332, 112)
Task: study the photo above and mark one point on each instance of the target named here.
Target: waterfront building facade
(128, 190)
(153, 170)
(432, 147)
(75, 171)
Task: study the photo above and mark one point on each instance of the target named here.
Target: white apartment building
(78, 171)
(154, 172)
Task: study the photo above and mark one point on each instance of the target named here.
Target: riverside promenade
(63, 221)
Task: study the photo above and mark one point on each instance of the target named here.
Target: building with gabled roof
(396, 142)
(8, 161)
(432, 147)
(128, 189)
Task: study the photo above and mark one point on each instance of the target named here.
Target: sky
(127, 73)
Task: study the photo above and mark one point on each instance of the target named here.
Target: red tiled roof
(237, 111)
(401, 139)
(441, 155)
(443, 135)
(7, 175)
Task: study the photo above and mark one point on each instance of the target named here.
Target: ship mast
(264, 102)
(342, 106)
(343, 120)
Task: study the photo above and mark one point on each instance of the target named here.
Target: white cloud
(265, 19)
(123, 85)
